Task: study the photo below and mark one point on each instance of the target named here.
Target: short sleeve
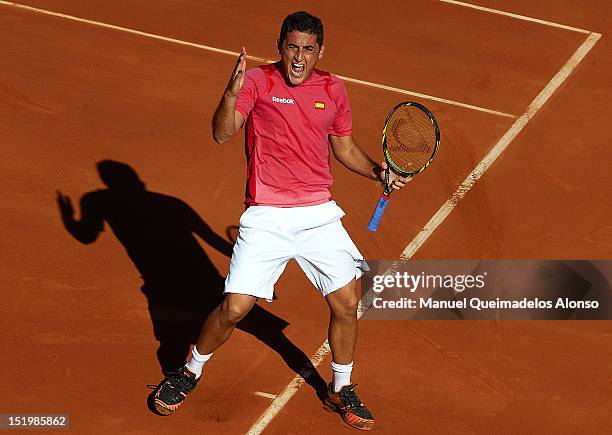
(248, 94)
(342, 124)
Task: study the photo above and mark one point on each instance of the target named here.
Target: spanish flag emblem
(319, 105)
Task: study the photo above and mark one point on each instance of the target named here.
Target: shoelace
(349, 397)
(181, 380)
(351, 402)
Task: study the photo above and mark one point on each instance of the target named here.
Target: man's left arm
(348, 153)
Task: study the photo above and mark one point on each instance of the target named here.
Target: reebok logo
(283, 100)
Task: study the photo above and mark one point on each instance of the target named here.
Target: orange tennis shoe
(347, 404)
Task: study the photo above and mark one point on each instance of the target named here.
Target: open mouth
(297, 69)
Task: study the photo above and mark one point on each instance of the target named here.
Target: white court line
(517, 16)
(501, 145)
(427, 97)
(127, 30)
(442, 213)
(266, 395)
(284, 397)
(258, 59)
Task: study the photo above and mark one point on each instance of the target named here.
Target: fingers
(400, 182)
(395, 181)
(237, 78)
(240, 64)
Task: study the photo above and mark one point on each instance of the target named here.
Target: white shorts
(313, 235)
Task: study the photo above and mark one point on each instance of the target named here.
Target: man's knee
(235, 307)
(344, 302)
(348, 308)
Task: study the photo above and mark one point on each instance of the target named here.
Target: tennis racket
(410, 140)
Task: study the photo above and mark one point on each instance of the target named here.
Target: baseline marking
(255, 58)
(427, 97)
(517, 16)
(126, 29)
(441, 214)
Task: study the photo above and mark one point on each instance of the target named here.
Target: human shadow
(181, 284)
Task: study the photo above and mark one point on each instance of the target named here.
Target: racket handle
(378, 212)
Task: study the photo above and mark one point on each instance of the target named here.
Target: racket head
(410, 138)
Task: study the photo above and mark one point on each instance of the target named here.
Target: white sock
(341, 375)
(197, 361)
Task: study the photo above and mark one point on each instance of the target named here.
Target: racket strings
(411, 138)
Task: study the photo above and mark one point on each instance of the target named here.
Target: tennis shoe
(347, 404)
(173, 390)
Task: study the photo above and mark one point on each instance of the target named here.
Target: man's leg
(218, 327)
(342, 338)
(216, 330)
(343, 323)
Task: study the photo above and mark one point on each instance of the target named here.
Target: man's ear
(321, 51)
(278, 45)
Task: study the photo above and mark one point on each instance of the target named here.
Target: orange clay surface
(77, 320)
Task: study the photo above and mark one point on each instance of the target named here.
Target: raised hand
(237, 79)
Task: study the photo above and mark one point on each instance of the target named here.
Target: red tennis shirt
(286, 135)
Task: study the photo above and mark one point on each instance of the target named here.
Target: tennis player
(290, 112)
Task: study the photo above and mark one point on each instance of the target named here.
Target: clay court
(522, 91)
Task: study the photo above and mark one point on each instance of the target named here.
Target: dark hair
(301, 21)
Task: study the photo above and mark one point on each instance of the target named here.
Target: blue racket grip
(378, 212)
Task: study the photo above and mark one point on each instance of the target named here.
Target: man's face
(300, 52)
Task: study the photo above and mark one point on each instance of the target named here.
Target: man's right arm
(227, 120)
